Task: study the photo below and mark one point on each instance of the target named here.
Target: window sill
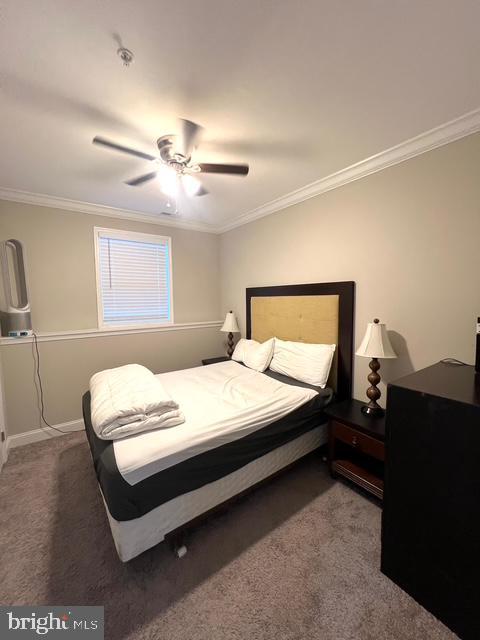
(144, 325)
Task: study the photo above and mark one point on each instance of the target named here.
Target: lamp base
(230, 345)
(373, 393)
(375, 412)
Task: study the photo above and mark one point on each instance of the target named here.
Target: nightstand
(215, 360)
(356, 446)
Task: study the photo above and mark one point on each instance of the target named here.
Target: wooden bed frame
(296, 303)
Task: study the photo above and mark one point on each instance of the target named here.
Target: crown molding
(444, 134)
(77, 206)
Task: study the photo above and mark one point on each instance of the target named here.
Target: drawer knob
(354, 441)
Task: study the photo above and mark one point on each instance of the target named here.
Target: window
(134, 278)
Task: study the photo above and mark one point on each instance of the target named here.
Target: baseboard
(36, 435)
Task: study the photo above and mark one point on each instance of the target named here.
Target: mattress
(221, 403)
(127, 502)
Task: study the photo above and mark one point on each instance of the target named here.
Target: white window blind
(134, 278)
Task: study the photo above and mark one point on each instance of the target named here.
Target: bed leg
(178, 544)
(180, 551)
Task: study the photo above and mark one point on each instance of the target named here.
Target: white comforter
(129, 400)
(221, 403)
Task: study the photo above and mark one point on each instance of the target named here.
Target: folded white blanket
(128, 400)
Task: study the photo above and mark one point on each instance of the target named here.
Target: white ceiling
(299, 89)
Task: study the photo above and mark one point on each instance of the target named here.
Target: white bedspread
(221, 403)
(128, 400)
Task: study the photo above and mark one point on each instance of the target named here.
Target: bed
(241, 427)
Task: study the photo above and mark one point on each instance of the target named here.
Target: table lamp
(375, 344)
(230, 326)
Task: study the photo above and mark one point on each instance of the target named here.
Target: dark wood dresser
(431, 517)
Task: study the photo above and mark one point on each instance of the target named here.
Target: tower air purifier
(17, 322)
(477, 348)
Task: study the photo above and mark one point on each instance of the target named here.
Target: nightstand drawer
(359, 441)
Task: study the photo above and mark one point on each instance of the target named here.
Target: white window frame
(140, 237)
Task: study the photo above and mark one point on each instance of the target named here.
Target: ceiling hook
(125, 55)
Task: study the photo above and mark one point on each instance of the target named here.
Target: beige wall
(410, 238)
(67, 366)
(61, 274)
(61, 265)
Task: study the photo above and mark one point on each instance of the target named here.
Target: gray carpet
(298, 558)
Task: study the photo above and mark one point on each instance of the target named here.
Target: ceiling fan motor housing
(167, 154)
(175, 152)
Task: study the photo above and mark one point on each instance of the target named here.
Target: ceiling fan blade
(189, 136)
(141, 179)
(233, 169)
(119, 147)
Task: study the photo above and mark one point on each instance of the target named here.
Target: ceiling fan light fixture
(191, 185)
(174, 165)
(168, 181)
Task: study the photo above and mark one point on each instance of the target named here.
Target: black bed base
(127, 502)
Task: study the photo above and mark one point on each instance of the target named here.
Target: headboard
(318, 313)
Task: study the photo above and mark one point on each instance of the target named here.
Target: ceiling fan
(174, 167)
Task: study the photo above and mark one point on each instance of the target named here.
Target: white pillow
(253, 354)
(239, 354)
(308, 363)
(258, 356)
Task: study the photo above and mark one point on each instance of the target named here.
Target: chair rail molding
(103, 333)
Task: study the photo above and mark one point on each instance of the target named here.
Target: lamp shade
(230, 325)
(376, 343)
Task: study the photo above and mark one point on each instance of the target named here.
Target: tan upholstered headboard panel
(317, 313)
(298, 318)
